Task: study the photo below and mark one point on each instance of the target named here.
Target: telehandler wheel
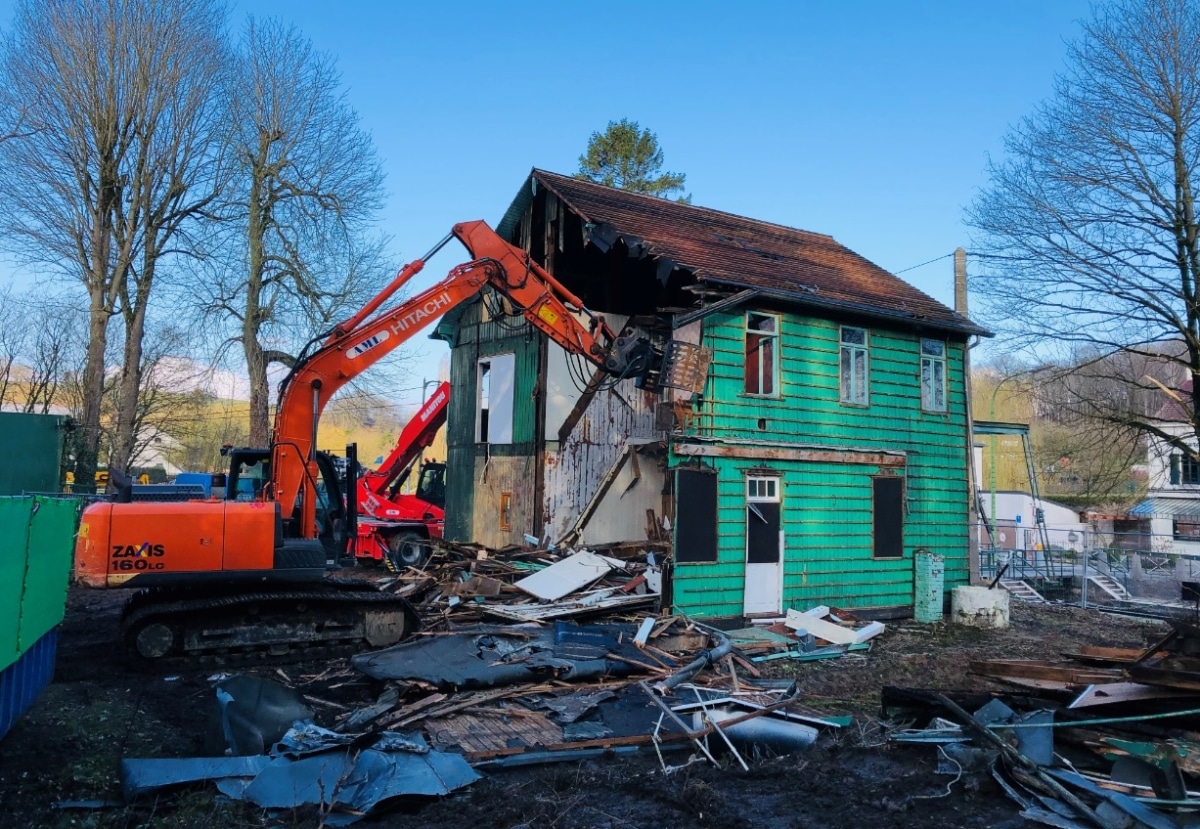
(407, 550)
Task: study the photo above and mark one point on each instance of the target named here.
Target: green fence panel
(51, 545)
(32, 452)
(14, 541)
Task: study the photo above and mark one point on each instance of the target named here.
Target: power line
(923, 264)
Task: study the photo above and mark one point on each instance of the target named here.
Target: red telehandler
(233, 574)
(396, 527)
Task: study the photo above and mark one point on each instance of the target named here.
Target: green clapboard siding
(36, 543)
(827, 507)
(476, 340)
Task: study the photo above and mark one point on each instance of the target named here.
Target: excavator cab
(250, 480)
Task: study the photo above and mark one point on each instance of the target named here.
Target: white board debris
(573, 573)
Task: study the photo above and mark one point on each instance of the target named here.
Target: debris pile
(488, 695)
(817, 633)
(1108, 737)
(465, 582)
(526, 693)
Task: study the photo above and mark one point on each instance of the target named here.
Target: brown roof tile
(804, 267)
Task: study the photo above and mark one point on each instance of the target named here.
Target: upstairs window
(855, 388)
(1185, 470)
(762, 354)
(494, 399)
(933, 375)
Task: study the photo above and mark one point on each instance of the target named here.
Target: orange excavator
(256, 570)
(395, 527)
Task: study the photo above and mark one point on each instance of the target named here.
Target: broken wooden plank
(1056, 673)
(820, 628)
(1112, 693)
(1149, 675)
(643, 633)
(662, 625)
(1095, 653)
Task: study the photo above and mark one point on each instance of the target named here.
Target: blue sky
(870, 121)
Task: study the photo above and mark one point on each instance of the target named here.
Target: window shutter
(1175, 459)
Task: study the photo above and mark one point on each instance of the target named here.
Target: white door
(764, 548)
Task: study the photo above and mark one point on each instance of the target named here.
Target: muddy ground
(67, 747)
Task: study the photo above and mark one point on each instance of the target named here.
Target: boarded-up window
(888, 505)
(762, 354)
(695, 516)
(494, 399)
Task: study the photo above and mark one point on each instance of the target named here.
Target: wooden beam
(780, 453)
(581, 405)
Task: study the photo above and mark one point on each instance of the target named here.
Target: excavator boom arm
(361, 342)
(417, 434)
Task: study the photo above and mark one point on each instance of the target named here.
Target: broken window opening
(855, 367)
(494, 399)
(762, 354)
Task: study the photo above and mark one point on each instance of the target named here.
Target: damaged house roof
(724, 249)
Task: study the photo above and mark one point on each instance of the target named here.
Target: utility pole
(960, 306)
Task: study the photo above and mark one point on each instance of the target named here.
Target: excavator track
(176, 627)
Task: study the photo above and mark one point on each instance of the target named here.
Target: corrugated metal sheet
(809, 268)
(1186, 508)
(36, 542)
(22, 681)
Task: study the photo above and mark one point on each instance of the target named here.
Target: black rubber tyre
(407, 550)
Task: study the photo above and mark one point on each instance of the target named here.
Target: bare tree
(308, 184)
(57, 350)
(117, 102)
(171, 404)
(1079, 452)
(13, 336)
(1088, 229)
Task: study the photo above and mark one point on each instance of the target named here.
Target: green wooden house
(831, 440)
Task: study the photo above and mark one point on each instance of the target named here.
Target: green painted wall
(827, 507)
(466, 476)
(37, 536)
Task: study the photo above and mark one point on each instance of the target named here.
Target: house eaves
(722, 249)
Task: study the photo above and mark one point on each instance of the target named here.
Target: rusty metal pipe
(724, 648)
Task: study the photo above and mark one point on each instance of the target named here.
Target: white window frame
(855, 390)
(774, 337)
(933, 367)
(763, 489)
